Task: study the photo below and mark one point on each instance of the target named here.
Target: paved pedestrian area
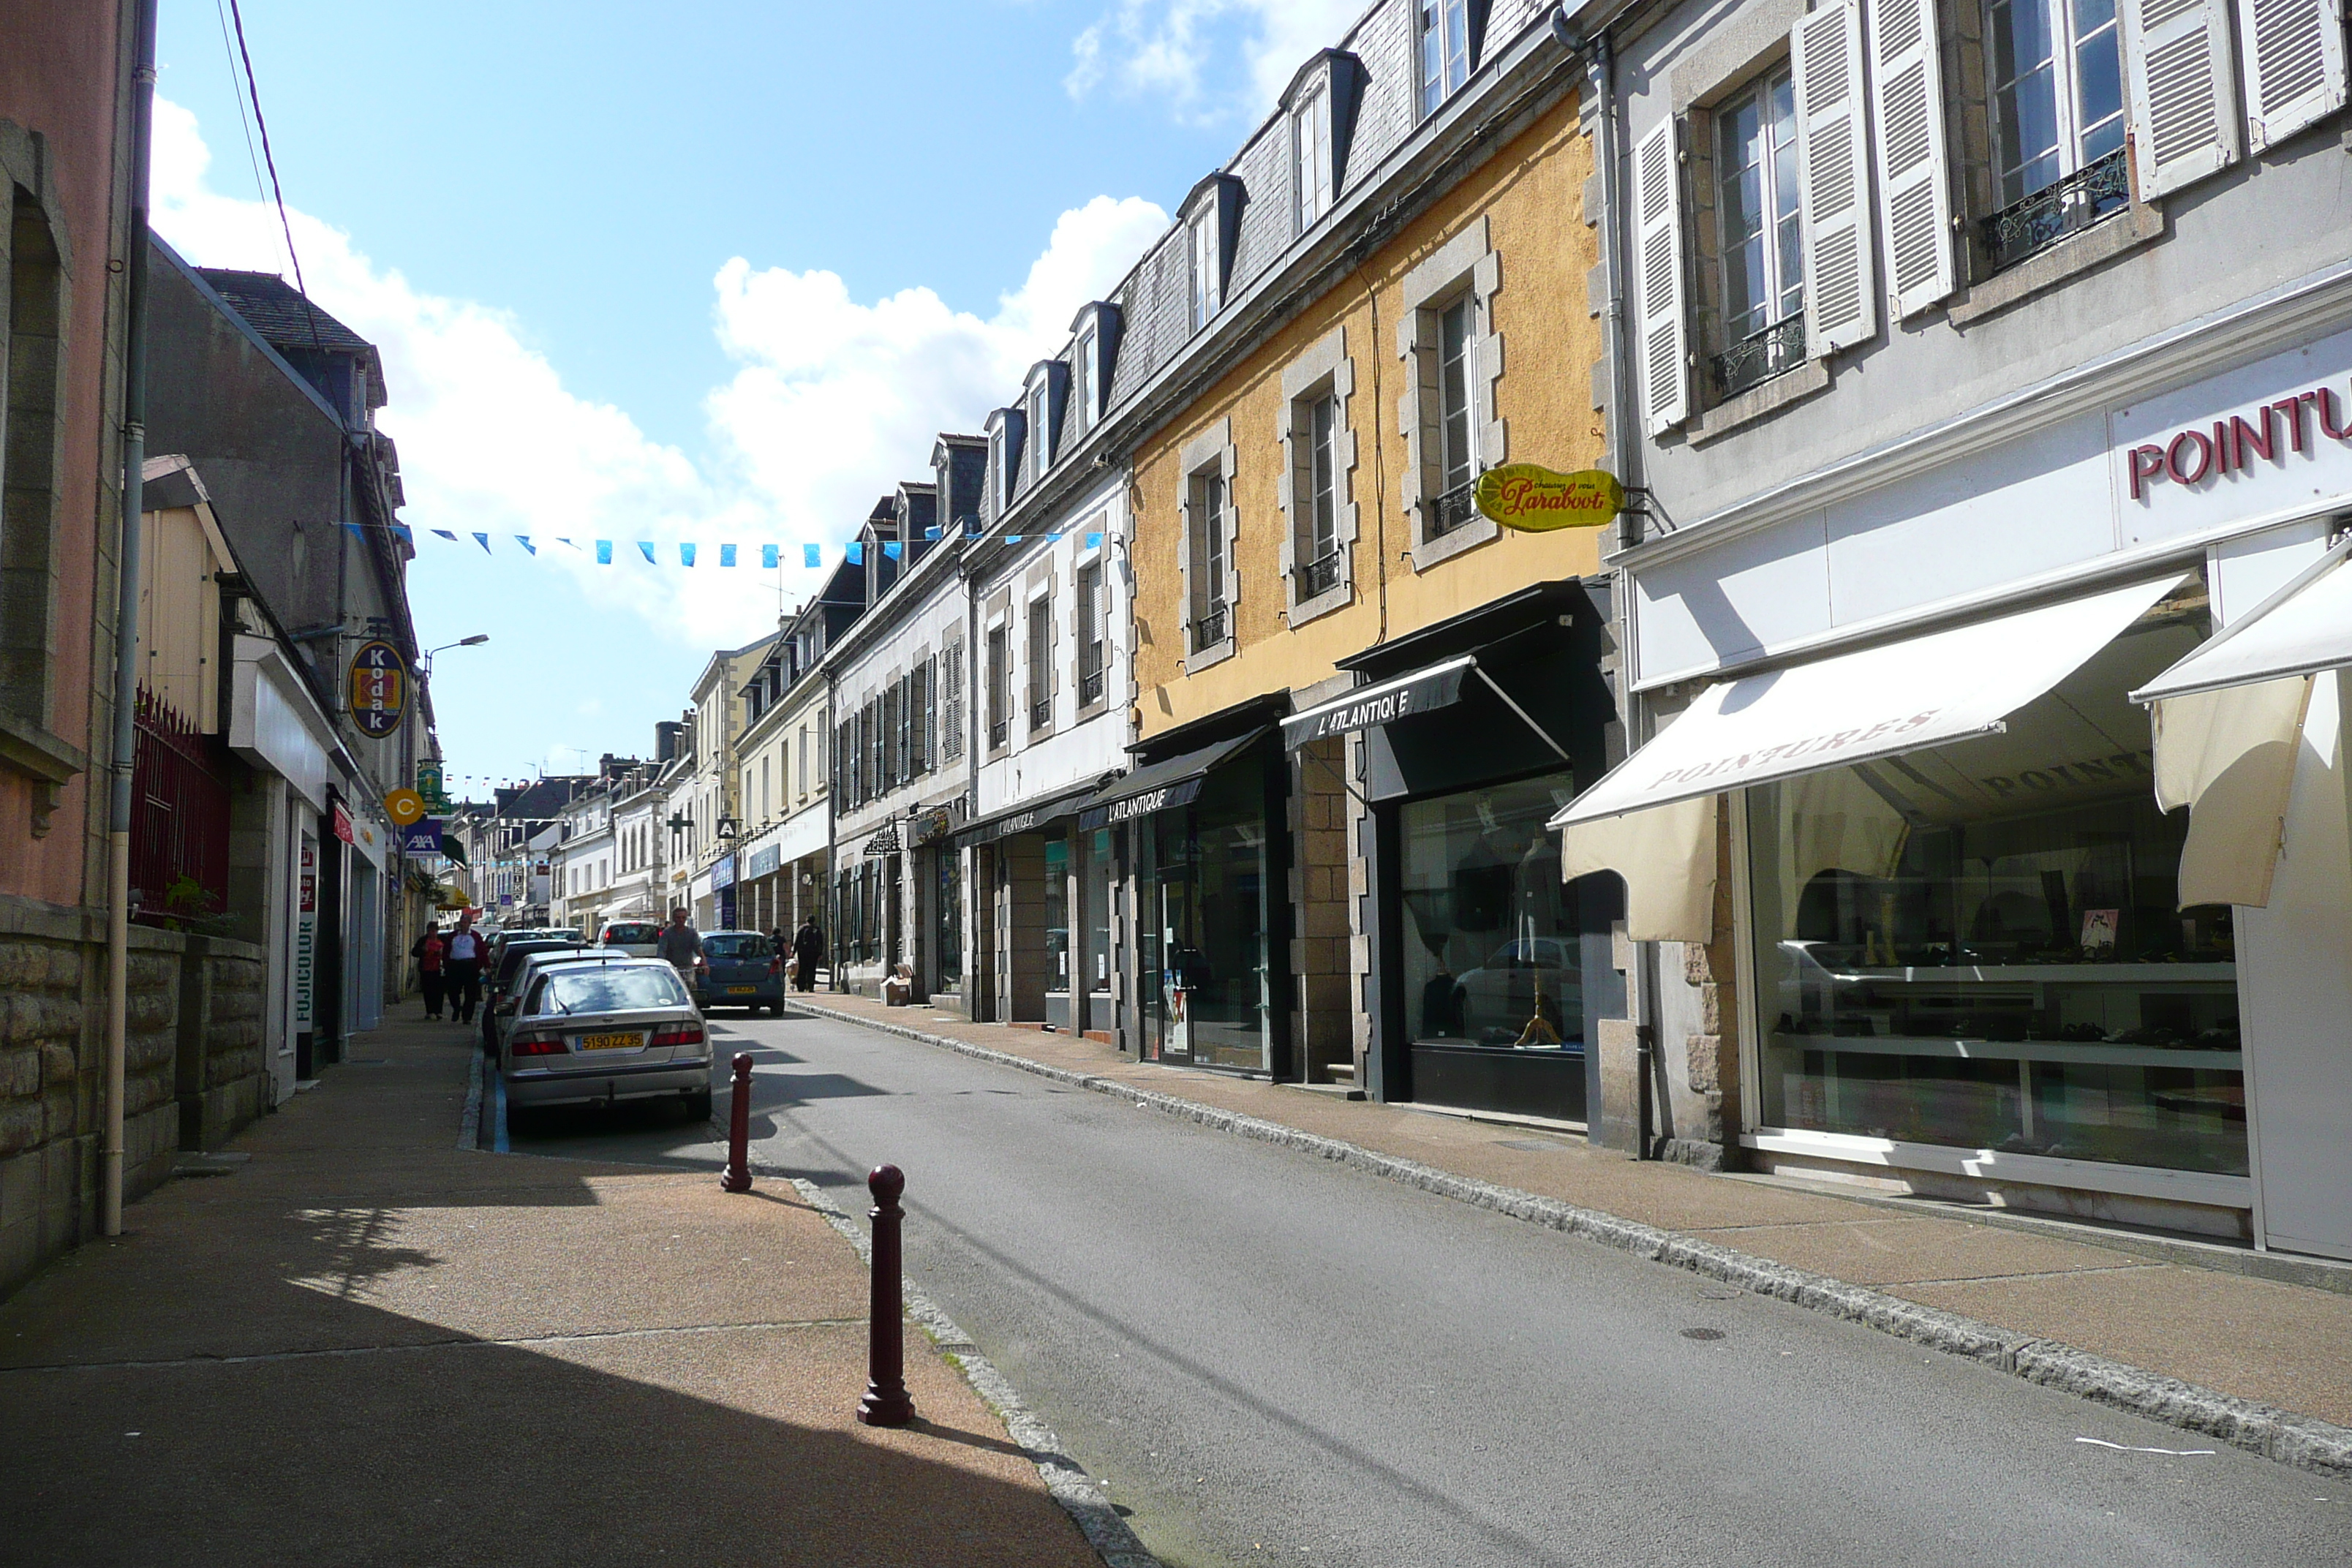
(2278, 1343)
(369, 1346)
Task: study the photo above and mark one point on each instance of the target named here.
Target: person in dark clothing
(462, 967)
(430, 950)
(808, 951)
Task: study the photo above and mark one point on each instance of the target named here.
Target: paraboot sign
(1534, 499)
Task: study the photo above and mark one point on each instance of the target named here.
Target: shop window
(1759, 253)
(1492, 953)
(1000, 686)
(1205, 527)
(1057, 921)
(1041, 664)
(1203, 921)
(1092, 620)
(1444, 50)
(951, 718)
(2054, 73)
(1454, 359)
(1102, 884)
(1310, 157)
(1979, 946)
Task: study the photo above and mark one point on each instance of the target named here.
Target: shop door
(1057, 887)
(1098, 902)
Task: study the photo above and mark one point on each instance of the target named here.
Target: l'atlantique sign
(1534, 499)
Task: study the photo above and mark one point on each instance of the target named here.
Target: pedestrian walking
(681, 945)
(461, 966)
(431, 949)
(808, 951)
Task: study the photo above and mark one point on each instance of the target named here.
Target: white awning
(2305, 627)
(1878, 702)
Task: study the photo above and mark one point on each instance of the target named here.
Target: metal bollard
(738, 1178)
(886, 1402)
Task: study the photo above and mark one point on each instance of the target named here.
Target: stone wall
(192, 1067)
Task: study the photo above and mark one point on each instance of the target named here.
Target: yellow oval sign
(405, 807)
(1534, 499)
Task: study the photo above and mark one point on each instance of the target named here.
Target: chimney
(666, 736)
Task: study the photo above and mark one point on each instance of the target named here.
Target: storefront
(1465, 741)
(1983, 950)
(1201, 828)
(1020, 864)
(722, 891)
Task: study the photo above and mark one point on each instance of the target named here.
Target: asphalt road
(1267, 1358)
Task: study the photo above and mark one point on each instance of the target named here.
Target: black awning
(1022, 818)
(1163, 784)
(1439, 685)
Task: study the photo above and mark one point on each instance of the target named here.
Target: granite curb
(1078, 1493)
(2301, 1442)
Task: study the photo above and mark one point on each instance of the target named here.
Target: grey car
(597, 1032)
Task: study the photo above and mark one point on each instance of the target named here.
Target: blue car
(739, 969)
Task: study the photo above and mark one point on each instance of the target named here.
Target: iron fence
(2093, 191)
(1759, 356)
(179, 818)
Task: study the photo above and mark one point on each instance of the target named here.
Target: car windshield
(516, 951)
(610, 990)
(737, 947)
(617, 935)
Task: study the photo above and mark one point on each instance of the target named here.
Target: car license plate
(743, 991)
(611, 1042)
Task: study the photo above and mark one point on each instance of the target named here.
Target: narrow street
(1268, 1357)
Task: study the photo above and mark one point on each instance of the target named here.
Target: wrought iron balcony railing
(1041, 715)
(1759, 356)
(1319, 575)
(998, 733)
(1209, 630)
(1090, 685)
(2090, 192)
(1449, 511)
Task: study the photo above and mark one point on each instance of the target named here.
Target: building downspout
(126, 626)
(1625, 460)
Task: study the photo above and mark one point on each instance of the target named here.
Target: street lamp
(475, 641)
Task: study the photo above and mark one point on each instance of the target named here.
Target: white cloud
(1183, 50)
(832, 400)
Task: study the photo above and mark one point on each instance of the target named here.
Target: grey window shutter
(2183, 92)
(1833, 180)
(1658, 238)
(2293, 53)
(1914, 185)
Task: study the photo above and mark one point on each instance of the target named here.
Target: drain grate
(1703, 1333)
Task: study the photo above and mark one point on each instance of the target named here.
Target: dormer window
(1006, 427)
(1310, 155)
(1444, 50)
(1041, 421)
(1205, 266)
(1081, 414)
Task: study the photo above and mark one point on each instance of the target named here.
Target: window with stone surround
(1317, 485)
(1210, 521)
(1453, 357)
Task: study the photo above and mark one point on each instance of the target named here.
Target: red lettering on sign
(2195, 440)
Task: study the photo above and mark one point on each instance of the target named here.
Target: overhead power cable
(253, 89)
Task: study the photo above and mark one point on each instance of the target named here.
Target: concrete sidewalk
(366, 1345)
(2026, 1295)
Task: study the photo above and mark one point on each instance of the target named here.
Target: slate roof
(279, 311)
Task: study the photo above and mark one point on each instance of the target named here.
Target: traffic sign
(378, 687)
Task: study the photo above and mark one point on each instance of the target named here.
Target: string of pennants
(771, 556)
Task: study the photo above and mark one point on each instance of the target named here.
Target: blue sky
(710, 271)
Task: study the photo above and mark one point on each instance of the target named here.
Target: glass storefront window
(947, 920)
(1057, 910)
(1492, 953)
(1201, 889)
(1978, 945)
(1100, 872)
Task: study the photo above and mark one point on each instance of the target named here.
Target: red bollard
(738, 1178)
(886, 1402)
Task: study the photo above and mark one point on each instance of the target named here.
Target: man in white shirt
(462, 969)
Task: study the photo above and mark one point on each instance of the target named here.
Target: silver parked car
(598, 1032)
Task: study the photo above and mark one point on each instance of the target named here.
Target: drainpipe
(126, 624)
(1624, 459)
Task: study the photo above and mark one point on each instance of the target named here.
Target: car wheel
(697, 1106)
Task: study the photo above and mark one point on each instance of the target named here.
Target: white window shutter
(2183, 96)
(2293, 52)
(1833, 180)
(1658, 240)
(1914, 193)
